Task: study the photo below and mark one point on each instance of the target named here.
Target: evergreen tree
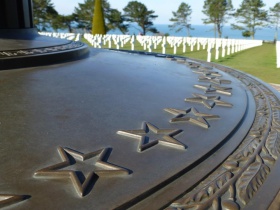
(181, 18)
(98, 23)
(246, 34)
(138, 13)
(83, 15)
(251, 16)
(115, 20)
(44, 14)
(218, 12)
(274, 15)
(63, 22)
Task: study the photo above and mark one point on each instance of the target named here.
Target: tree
(83, 15)
(218, 12)
(181, 18)
(251, 16)
(98, 22)
(44, 14)
(115, 20)
(138, 13)
(274, 15)
(63, 22)
(246, 34)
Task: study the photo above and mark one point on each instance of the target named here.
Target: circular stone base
(26, 48)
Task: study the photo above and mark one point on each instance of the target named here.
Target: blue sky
(162, 8)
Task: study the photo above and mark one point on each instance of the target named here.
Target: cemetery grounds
(258, 61)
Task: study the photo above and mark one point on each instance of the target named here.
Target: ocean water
(266, 34)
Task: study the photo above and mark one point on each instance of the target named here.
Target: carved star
(207, 73)
(7, 200)
(205, 68)
(213, 80)
(181, 60)
(165, 137)
(200, 119)
(214, 89)
(193, 65)
(208, 101)
(66, 154)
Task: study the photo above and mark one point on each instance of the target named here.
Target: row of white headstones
(222, 47)
(69, 36)
(278, 54)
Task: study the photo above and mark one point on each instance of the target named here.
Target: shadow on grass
(225, 59)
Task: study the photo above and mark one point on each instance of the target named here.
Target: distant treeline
(249, 17)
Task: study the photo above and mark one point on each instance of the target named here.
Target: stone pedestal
(21, 45)
(16, 14)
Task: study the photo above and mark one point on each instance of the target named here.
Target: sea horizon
(266, 34)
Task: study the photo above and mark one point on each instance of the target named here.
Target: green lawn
(259, 61)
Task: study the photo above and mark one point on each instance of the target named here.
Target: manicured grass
(258, 61)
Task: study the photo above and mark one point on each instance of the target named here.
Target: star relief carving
(162, 136)
(208, 101)
(214, 80)
(71, 158)
(215, 89)
(7, 199)
(192, 116)
(207, 72)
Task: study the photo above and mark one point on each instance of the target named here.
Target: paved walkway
(276, 86)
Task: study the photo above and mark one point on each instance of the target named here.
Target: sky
(162, 8)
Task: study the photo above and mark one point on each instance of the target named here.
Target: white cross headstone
(218, 45)
(164, 45)
(132, 42)
(209, 51)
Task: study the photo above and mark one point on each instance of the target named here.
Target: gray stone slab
(114, 131)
